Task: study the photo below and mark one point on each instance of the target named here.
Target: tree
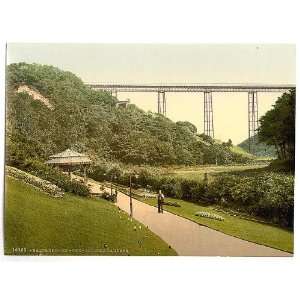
(278, 126)
(188, 125)
(228, 143)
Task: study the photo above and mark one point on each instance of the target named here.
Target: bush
(171, 188)
(37, 182)
(282, 166)
(220, 189)
(55, 176)
(78, 188)
(106, 171)
(269, 195)
(278, 201)
(107, 196)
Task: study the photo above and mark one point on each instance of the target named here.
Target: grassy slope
(34, 220)
(239, 150)
(249, 230)
(259, 157)
(260, 149)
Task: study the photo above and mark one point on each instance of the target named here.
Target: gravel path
(187, 237)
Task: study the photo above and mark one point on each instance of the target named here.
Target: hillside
(238, 149)
(44, 225)
(89, 121)
(259, 149)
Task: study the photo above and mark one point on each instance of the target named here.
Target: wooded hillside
(89, 121)
(259, 148)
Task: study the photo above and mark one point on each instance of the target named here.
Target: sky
(176, 63)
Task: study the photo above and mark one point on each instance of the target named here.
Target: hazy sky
(176, 63)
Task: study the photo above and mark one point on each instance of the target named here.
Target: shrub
(278, 201)
(55, 176)
(220, 188)
(107, 196)
(171, 188)
(247, 190)
(37, 182)
(78, 188)
(106, 171)
(282, 166)
(268, 195)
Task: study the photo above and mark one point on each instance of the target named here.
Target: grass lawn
(36, 223)
(239, 150)
(197, 173)
(248, 230)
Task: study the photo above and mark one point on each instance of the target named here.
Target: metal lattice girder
(158, 103)
(164, 104)
(161, 103)
(252, 119)
(208, 115)
(192, 88)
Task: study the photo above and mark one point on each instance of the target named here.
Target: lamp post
(104, 174)
(130, 193)
(130, 197)
(111, 179)
(116, 187)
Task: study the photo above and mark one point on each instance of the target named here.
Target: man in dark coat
(160, 201)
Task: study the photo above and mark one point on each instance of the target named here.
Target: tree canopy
(278, 126)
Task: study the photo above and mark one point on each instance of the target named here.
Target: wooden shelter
(68, 160)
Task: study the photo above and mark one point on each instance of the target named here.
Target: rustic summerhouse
(69, 160)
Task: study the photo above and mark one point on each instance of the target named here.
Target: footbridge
(207, 90)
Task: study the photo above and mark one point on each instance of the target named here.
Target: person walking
(116, 196)
(160, 201)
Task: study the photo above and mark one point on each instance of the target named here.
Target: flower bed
(209, 215)
(37, 182)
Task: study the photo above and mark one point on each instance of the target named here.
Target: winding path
(187, 237)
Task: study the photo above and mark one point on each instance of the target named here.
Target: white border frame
(148, 21)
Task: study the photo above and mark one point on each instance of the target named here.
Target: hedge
(37, 182)
(55, 176)
(270, 195)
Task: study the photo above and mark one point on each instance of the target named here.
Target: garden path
(186, 237)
